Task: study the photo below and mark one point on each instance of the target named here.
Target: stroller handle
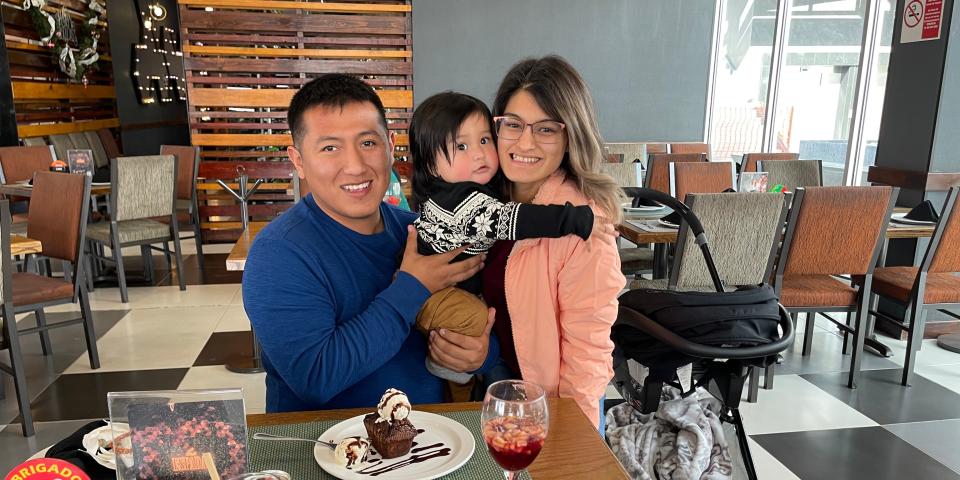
(699, 350)
(692, 221)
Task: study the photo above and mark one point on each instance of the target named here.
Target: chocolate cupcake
(390, 439)
(390, 432)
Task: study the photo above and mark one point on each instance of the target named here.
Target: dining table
(23, 190)
(20, 245)
(573, 449)
(237, 258)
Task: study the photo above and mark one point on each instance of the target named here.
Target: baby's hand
(603, 231)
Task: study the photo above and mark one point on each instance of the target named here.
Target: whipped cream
(393, 405)
(351, 451)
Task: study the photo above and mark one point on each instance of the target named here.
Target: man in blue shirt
(322, 286)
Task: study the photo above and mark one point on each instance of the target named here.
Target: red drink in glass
(514, 442)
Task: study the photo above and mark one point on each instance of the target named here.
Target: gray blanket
(682, 440)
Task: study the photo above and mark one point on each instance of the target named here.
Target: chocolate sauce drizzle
(377, 469)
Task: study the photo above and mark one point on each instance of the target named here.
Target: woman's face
(525, 161)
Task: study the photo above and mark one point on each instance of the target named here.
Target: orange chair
(832, 231)
(932, 285)
(658, 168)
(700, 177)
(690, 147)
(749, 162)
(188, 164)
(58, 218)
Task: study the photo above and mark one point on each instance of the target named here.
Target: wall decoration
(58, 32)
(157, 58)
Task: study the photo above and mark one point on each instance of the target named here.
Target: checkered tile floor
(810, 426)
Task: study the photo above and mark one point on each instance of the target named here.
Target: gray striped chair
(100, 158)
(793, 174)
(631, 151)
(143, 188)
(743, 229)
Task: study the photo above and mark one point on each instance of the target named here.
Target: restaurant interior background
(810, 76)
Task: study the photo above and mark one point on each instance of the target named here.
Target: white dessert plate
(436, 430)
(667, 224)
(900, 218)
(103, 435)
(642, 208)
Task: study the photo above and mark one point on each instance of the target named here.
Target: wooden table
(238, 254)
(638, 236)
(19, 190)
(573, 450)
(20, 245)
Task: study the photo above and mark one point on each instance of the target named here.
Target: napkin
(923, 213)
(101, 175)
(71, 450)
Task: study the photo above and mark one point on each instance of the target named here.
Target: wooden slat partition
(47, 101)
(244, 61)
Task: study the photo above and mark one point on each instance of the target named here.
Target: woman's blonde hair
(563, 94)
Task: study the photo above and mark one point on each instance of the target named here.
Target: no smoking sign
(921, 20)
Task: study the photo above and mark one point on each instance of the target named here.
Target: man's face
(345, 157)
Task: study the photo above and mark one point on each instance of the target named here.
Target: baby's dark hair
(434, 123)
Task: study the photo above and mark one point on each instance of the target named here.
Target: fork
(267, 436)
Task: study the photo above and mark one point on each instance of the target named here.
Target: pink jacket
(562, 302)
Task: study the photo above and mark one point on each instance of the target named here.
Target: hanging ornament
(59, 33)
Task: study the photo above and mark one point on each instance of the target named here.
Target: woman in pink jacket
(555, 299)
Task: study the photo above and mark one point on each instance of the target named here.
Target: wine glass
(515, 421)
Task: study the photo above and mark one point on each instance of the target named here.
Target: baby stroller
(723, 334)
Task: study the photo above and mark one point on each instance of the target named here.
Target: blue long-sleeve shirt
(333, 323)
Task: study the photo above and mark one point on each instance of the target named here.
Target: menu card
(186, 435)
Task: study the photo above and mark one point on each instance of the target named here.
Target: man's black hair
(330, 90)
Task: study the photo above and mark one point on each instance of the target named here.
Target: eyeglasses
(544, 131)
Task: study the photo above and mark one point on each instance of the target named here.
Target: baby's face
(474, 154)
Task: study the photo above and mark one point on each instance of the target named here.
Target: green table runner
(297, 458)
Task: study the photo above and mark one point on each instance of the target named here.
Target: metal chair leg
(179, 256)
(769, 373)
(808, 333)
(19, 376)
(198, 239)
(859, 333)
(146, 256)
(846, 336)
(914, 339)
(754, 391)
(89, 330)
(121, 275)
(44, 334)
(166, 255)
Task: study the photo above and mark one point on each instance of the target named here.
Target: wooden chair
(109, 143)
(793, 174)
(58, 214)
(656, 148)
(933, 285)
(19, 164)
(142, 188)
(832, 231)
(690, 147)
(701, 177)
(749, 162)
(188, 163)
(658, 168)
(741, 227)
